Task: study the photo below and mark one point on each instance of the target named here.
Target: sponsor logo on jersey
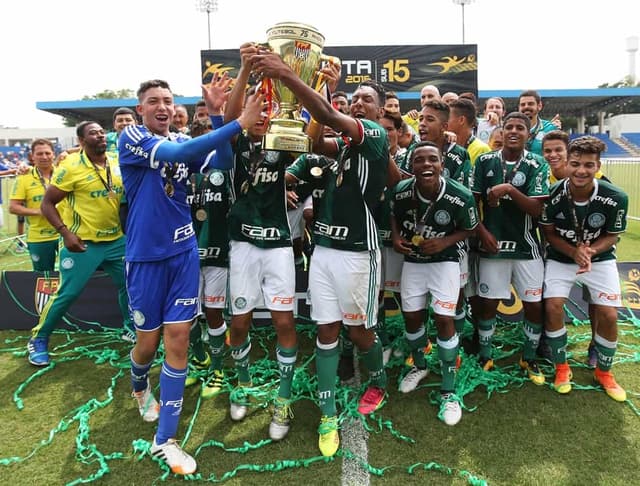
(260, 233)
(216, 178)
(519, 179)
(181, 172)
(44, 289)
(404, 195)
(619, 219)
(473, 216)
(607, 201)
(317, 193)
(137, 150)
(442, 217)
(209, 252)
(506, 246)
(372, 132)
(384, 234)
(183, 233)
(333, 232)
(596, 220)
(453, 200)
(265, 175)
(186, 301)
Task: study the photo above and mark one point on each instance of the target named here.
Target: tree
(107, 94)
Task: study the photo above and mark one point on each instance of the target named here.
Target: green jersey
(537, 133)
(259, 212)
(514, 230)
(604, 212)
(457, 164)
(454, 209)
(345, 213)
(210, 198)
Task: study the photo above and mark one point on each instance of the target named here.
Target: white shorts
(260, 277)
(391, 268)
(602, 282)
(344, 286)
(213, 287)
(471, 287)
(440, 279)
(497, 275)
(296, 222)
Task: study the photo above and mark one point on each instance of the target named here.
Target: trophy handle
(320, 81)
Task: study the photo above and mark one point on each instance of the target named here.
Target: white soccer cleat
(147, 404)
(178, 460)
(412, 379)
(450, 409)
(237, 411)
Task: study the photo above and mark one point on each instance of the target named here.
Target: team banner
(24, 294)
(398, 68)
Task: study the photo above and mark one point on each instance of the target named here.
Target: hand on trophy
(216, 93)
(330, 73)
(254, 111)
(268, 64)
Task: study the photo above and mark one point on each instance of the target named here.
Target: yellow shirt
(30, 189)
(476, 148)
(94, 215)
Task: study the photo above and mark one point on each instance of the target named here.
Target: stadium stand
(614, 150)
(633, 138)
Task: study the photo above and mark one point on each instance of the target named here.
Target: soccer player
(530, 103)
(512, 184)
(344, 275)
(92, 185)
(431, 214)
(162, 256)
(26, 199)
(462, 120)
(261, 260)
(582, 221)
(122, 117)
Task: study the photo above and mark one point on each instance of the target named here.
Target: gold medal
(244, 188)
(316, 171)
(168, 188)
(339, 179)
(201, 214)
(112, 194)
(416, 240)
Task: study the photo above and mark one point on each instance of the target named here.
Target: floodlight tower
(462, 3)
(207, 6)
(632, 48)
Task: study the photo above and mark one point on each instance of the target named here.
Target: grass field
(75, 422)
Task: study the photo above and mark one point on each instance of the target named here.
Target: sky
(65, 49)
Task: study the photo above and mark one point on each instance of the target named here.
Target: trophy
(300, 47)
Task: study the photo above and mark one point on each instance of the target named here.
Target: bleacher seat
(613, 149)
(634, 138)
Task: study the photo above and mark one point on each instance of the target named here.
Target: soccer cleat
(371, 400)
(450, 410)
(533, 371)
(171, 453)
(426, 350)
(412, 379)
(128, 336)
(280, 423)
(196, 370)
(346, 370)
(147, 404)
(592, 360)
(214, 385)
(328, 437)
(485, 363)
(38, 351)
(562, 381)
(238, 410)
(606, 380)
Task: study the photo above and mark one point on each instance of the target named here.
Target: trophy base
(285, 135)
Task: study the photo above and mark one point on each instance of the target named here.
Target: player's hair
(175, 107)
(556, 135)
(396, 118)
(81, 127)
(441, 107)
(504, 107)
(123, 110)
(41, 141)
(424, 143)
(391, 95)
(465, 108)
(377, 87)
(338, 94)
(530, 92)
(519, 116)
(468, 95)
(200, 103)
(152, 83)
(587, 145)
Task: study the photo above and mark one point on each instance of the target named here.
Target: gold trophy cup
(300, 47)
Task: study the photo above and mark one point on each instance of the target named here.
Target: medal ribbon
(42, 178)
(577, 223)
(108, 184)
(418, 226)
(507, 177)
